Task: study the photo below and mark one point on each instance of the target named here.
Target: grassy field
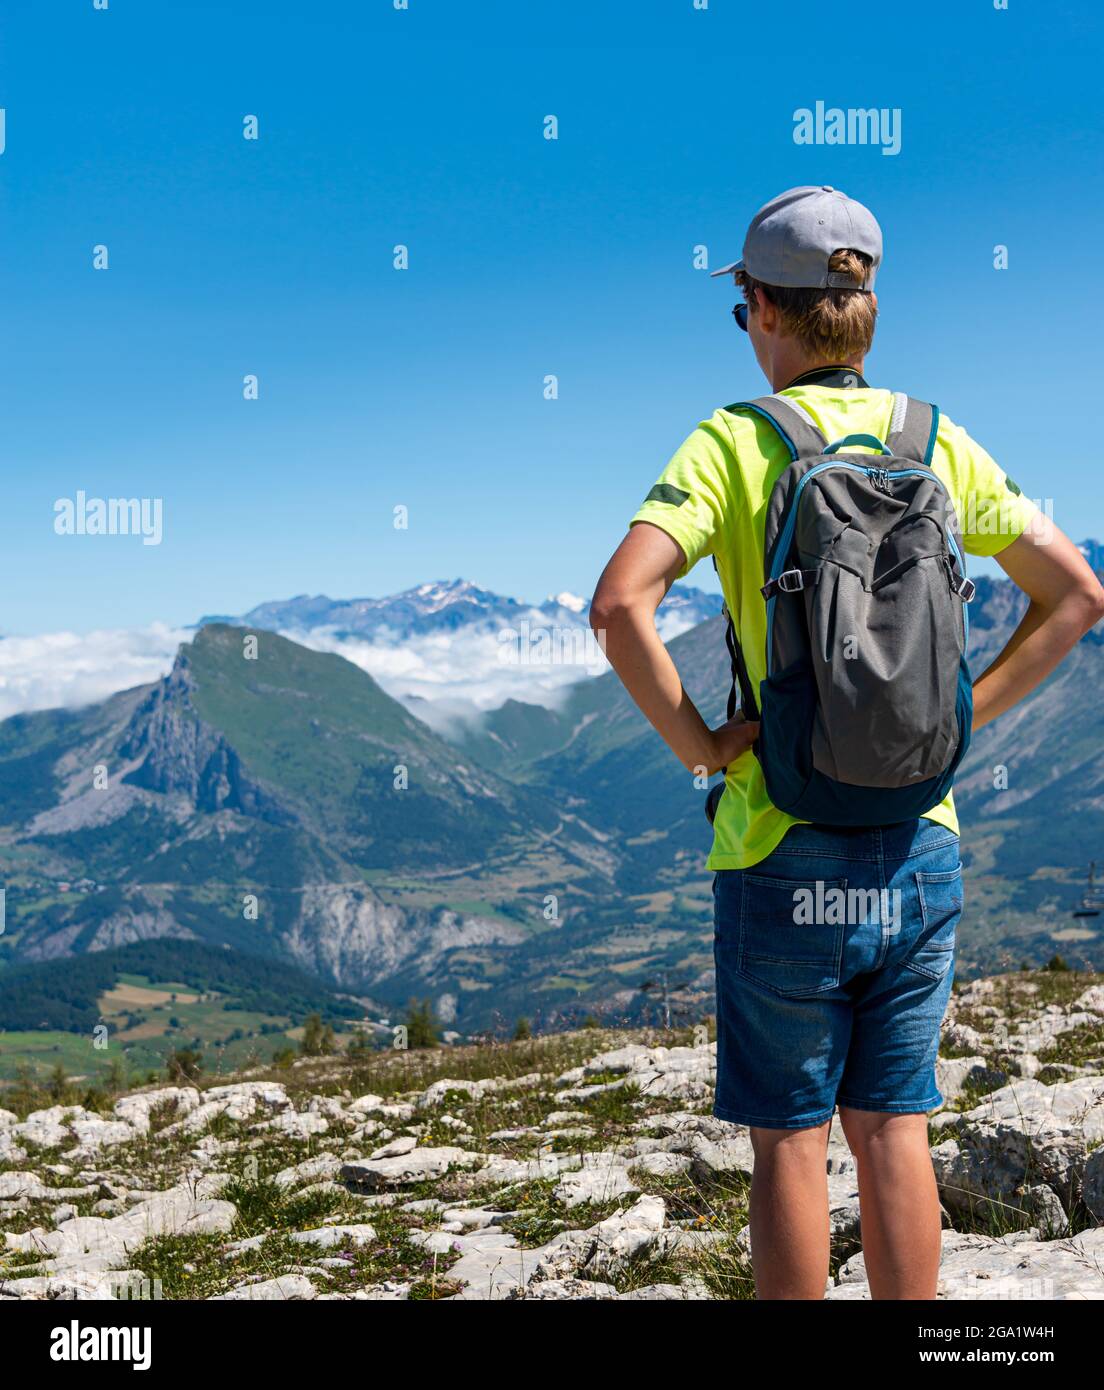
(147, 1020)
(41, 1051)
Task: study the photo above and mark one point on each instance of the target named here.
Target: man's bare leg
(789, 1212)
(899, 1202)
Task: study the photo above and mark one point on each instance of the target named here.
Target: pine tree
(421, 1025)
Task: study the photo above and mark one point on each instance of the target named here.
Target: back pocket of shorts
(791, 934)
(940, 907)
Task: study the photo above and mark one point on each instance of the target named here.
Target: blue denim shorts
(835, 956)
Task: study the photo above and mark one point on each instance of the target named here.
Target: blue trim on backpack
(870, 441)
(931, 438)
(764, 415)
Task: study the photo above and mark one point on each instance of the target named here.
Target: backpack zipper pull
(879, 477)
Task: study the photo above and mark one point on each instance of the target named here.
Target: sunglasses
(740, 314)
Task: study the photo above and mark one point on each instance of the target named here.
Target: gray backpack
(866, 708)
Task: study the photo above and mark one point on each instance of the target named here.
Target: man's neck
(784, 373)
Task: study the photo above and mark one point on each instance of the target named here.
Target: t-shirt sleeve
(692, 499)
(992, 511)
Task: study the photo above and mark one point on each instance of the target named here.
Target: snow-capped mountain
(446, 606)
(450, 651)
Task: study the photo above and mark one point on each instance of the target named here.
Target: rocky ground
(581, 1166)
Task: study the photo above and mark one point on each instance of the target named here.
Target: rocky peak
(182, 754)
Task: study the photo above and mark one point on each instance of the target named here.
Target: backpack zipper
(880, 478)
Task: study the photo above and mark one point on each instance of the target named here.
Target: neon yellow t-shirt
(712, 500)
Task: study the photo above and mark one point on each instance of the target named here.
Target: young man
(811, 1017)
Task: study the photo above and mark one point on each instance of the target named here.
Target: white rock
(499, 1169)
(434, 1242)
(16, 1184)
(732, 1155)
(668, 1293)
(89, 1242)
(93, 1133)
(954, 1074)
(135, 1110)
(491, 1266)
(602, 1177)
(961, 1035)
(1024, 1132)
(297, 1124)
(390, 1291)
(395, 1148)
(979, 1267)
(363, 1105)
(49, 1127)
(664, 1165)
(329, 1107)
(74, 1287)
(287, 1286)
(469, 1218)
(575, 1290)
(436, 1093)
(336, 1237)
(1091, 1001)
(404, 1169)
(244, 1096)
(401, 1111)
(311, 1169)
(626, 1237)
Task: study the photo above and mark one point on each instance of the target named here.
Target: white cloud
(441, 677)
(469, 669)
(69, 669)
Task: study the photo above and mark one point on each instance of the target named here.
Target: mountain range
(445, 606)
(545, 861)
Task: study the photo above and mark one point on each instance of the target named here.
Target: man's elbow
(1083, 599)
(1092, 603)
(608, 607)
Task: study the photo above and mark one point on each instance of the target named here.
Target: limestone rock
(954, 1074)
(287, 1286)
(601, 1177)
(980, 1267)
(395, 1148)
(1024, 1133)
(324, 1166)
(577, 1290)
(136, 1110)
(663, 1164)
(337, 1237)
(97, 1243)
(402, 1170)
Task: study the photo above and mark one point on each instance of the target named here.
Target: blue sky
(528, 257)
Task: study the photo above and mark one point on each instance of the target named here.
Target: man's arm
(631, 588)
(1066, 600)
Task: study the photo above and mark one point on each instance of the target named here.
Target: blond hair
(836, 324)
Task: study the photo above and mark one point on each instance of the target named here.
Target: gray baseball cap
(792, 238)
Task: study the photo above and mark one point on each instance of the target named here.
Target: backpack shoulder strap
(803, 438)
(794, 425)
(912, 429)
